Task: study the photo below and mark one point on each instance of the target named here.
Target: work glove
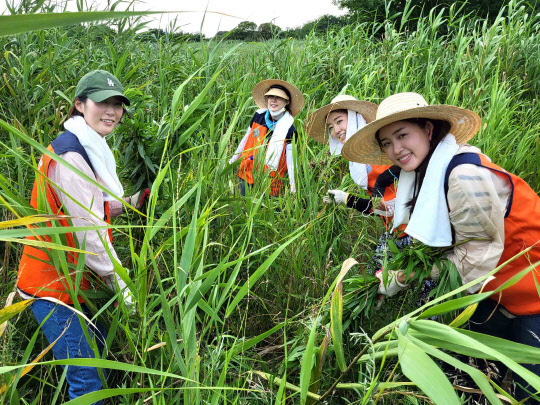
(393, 285)
(293, 189)
(139, 198)
(335, 196)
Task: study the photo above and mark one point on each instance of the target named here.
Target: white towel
(429, 223)
(359, 174)
(99, 153)
(358, 171)
(277, 141)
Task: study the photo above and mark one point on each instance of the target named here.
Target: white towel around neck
(358, 171)
(429, 223)
(277, 141)
(99, 153)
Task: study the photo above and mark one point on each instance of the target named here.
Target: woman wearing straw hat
(97, 109)
(272, 125)
(334, 124)
(449, 192)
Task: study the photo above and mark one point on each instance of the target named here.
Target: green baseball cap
(99, 85)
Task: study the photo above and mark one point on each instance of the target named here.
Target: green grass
(233, 285)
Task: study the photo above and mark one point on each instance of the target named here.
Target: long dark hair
(440, 130)
(279, 86)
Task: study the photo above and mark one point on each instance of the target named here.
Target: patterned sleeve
(363, 205)
(84, 203)
(477, 200)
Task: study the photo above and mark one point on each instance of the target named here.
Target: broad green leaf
(100, 363)
(453, 305)
(17, 24)
(280, 397)
(14, 309)
(456, 336)
(24, 221)
(479, 378)
(318, 368)
(336, 326)
(464, 316)
(516, 351)
(307, 362)
(424, 372)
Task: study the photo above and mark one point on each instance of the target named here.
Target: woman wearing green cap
(97, 110)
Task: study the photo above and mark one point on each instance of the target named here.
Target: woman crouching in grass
(449, 192)
(271, 129)
(334, 124)
(97, 110)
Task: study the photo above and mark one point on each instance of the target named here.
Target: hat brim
(295, 103)
(362, 147)
(315, 124)
(102, 95)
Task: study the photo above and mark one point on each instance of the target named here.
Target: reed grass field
(245, 300)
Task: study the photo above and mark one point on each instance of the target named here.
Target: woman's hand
(384, 208)
(395, 282)
(138, 199)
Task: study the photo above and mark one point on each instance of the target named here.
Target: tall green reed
(214, 272)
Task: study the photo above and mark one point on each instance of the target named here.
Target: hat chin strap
(275, 114)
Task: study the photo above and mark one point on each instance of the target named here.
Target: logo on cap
(110, 82)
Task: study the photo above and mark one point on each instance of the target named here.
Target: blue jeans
(242, 186)
(72, 344)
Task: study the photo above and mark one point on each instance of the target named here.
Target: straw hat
(363, 147)
(261, 89)
(315, 124)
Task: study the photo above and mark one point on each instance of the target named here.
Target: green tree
(245, 31)
(366, 9)
(267, 30)
(246, 26)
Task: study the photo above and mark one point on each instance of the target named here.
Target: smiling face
(336, 122)
(275, 103)
(102, 117)
(406, 144)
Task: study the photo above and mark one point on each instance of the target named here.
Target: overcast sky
(285, 13)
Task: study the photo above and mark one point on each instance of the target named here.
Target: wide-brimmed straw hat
(315, 124)
(363, 146)
(296, 101)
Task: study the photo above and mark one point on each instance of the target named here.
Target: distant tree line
(369, 11)
(357, 11)
(249, 31)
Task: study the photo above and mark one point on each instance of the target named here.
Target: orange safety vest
(389, 194)
(376, 171)
(255, 142)
(521, 230)
(37, 275)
